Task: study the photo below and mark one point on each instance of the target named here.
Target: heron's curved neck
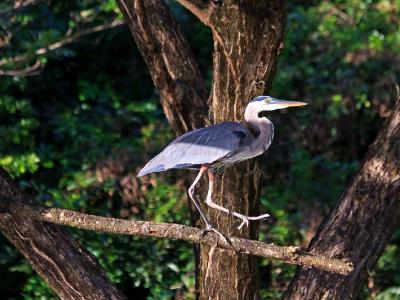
(262, 128)
(255, 123)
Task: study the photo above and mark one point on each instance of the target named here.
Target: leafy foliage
(75, 132)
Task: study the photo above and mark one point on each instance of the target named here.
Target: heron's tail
(150, 169)
(169, 158)
(159, 163)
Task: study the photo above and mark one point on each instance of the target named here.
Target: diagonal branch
(67, 40)
(17, 7)
(291, 255)
(30, 70)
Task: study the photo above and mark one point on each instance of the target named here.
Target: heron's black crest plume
(259, 98)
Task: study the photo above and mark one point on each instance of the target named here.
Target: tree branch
(291, 255)
(67, 40)
(30, 70)
(17, 7)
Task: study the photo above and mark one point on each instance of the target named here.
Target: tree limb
(30, 70)
(291, 255)
(17, 7)
(67, 40)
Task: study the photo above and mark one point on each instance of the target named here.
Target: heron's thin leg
(209, 202)
(209, 226)
(193, 197)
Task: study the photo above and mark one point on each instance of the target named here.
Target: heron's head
(267, 103)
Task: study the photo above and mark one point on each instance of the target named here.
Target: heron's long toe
(209, 228)
(246, 219)
(264, 216)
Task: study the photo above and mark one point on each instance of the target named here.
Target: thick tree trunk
(247, 38)
(68, 269)
(361, 224)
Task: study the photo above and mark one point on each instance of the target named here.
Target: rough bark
(247, 38)
(361, 224)
(68, 269)
(60, 216)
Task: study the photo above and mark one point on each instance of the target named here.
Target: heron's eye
(263, 114)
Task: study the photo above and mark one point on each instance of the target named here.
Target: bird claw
(211, 228)
(246, 219)
(244, 222)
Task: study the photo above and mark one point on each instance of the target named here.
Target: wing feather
(197, 147)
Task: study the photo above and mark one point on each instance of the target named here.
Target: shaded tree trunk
(361, 224)
(68, 269)
(247, 38)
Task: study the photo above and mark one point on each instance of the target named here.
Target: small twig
(342, 15)
(17, 7)
(59, 44)
(290, 254)
(27, 71)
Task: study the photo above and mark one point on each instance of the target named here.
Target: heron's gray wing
(197, 147)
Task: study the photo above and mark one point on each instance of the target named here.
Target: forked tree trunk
(247, 38)
(361, 224)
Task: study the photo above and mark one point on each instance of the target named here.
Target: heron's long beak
(274, 104)
(279, 104)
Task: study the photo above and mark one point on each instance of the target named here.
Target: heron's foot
(210, 228)
(246, 219)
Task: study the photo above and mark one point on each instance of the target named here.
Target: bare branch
(67, 40)
(17, 7)
(199, 8)
(291, 255)
(31, 70)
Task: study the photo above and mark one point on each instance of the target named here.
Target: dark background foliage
(81, 120)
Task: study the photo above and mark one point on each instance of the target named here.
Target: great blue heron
(219, 146)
